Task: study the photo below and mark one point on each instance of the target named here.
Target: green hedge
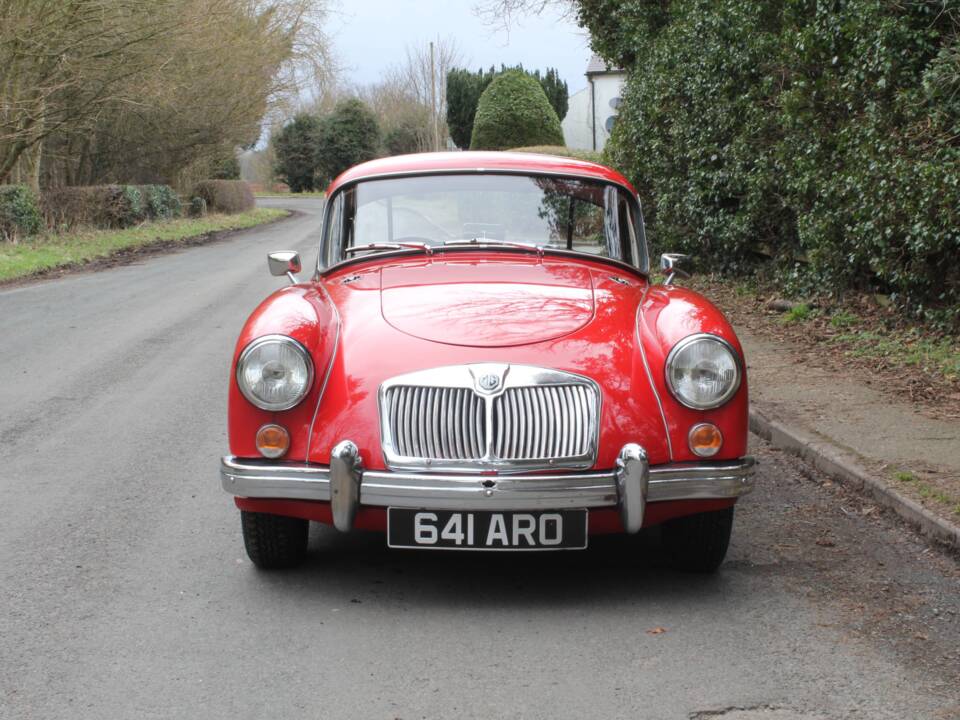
(108, 206)
(225, 196)
(818, 141)
(160, 202)
(514, 111)
(19, 212)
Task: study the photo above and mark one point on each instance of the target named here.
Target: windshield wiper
(389, 246)
(499, 243)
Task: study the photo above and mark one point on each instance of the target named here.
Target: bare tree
(166, 81)
(503, 14)
(424, 73)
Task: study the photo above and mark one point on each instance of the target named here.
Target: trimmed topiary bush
(562, 151)
(347, 136)
(225, 196)
(514, 111)
(19, 212)
(102, 206)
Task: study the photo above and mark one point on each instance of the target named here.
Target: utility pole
(433, 101)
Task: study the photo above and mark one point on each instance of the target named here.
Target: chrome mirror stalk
(670, 263)
(284, 262)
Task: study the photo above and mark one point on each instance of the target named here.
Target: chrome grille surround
(489, 417)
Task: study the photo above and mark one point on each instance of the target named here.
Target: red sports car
(480, 361)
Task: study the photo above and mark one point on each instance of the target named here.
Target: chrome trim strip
(646, 365)
(682, 481)
(326, 377)
(270, 479)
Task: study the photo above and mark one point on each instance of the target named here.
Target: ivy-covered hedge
(514, 111)
(108, 206)
(821, 140)
(225, 196)
(19, 212)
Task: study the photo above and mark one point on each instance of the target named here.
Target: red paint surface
(477, 303)
(473, 161)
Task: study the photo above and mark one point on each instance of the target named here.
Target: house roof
(599, 66)
(477, 161)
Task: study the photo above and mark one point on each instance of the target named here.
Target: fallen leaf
(656, 631)
(826, 542)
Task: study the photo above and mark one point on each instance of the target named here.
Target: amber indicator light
(705, 439)
(273, 441)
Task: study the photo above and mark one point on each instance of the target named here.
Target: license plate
(485, 530)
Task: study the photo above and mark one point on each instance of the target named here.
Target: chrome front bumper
(346, 485)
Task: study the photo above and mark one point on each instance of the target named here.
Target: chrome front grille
(436, 422)
(475, 418)
(545, 422)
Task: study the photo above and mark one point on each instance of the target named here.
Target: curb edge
(845, 467)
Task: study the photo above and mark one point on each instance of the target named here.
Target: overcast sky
(371, 35)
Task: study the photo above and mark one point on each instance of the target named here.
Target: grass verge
(46, 252)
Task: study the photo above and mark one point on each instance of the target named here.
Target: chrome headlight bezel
(258, 343)
(685, 343)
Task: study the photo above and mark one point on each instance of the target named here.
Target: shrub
(19, 212)
(816, 142)
(198, 207)
(514, 111)
(160, 202)
(102, 206)
(295, 149)
(225, 196)
(347, 136)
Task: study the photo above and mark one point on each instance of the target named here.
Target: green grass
(797, 313)
(309, 194)
(910, 348)
(76, 247)
(927, 491)
(843, 319)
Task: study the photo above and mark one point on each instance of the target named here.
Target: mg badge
(489, 382)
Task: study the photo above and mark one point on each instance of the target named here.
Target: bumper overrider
(346, 485)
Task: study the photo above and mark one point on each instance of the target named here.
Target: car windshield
(510, 210)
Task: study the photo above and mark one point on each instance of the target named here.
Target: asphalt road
(125, 591)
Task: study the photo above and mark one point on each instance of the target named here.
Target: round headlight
(703, 371)
(274, 372)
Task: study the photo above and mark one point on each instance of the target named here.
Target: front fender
(306, 314)
(667, 315)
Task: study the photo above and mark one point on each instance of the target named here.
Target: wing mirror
(285, 262)
(670, 263)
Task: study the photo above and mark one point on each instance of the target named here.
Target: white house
(591, 111)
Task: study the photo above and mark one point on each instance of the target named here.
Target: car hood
(487, 304)
(573, 315)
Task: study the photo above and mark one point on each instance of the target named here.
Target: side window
(333, 233)
(628, 229)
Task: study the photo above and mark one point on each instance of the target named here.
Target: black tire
(698, 543)
(274, 541)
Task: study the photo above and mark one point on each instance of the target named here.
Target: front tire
(274, 541)
(698, 543)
